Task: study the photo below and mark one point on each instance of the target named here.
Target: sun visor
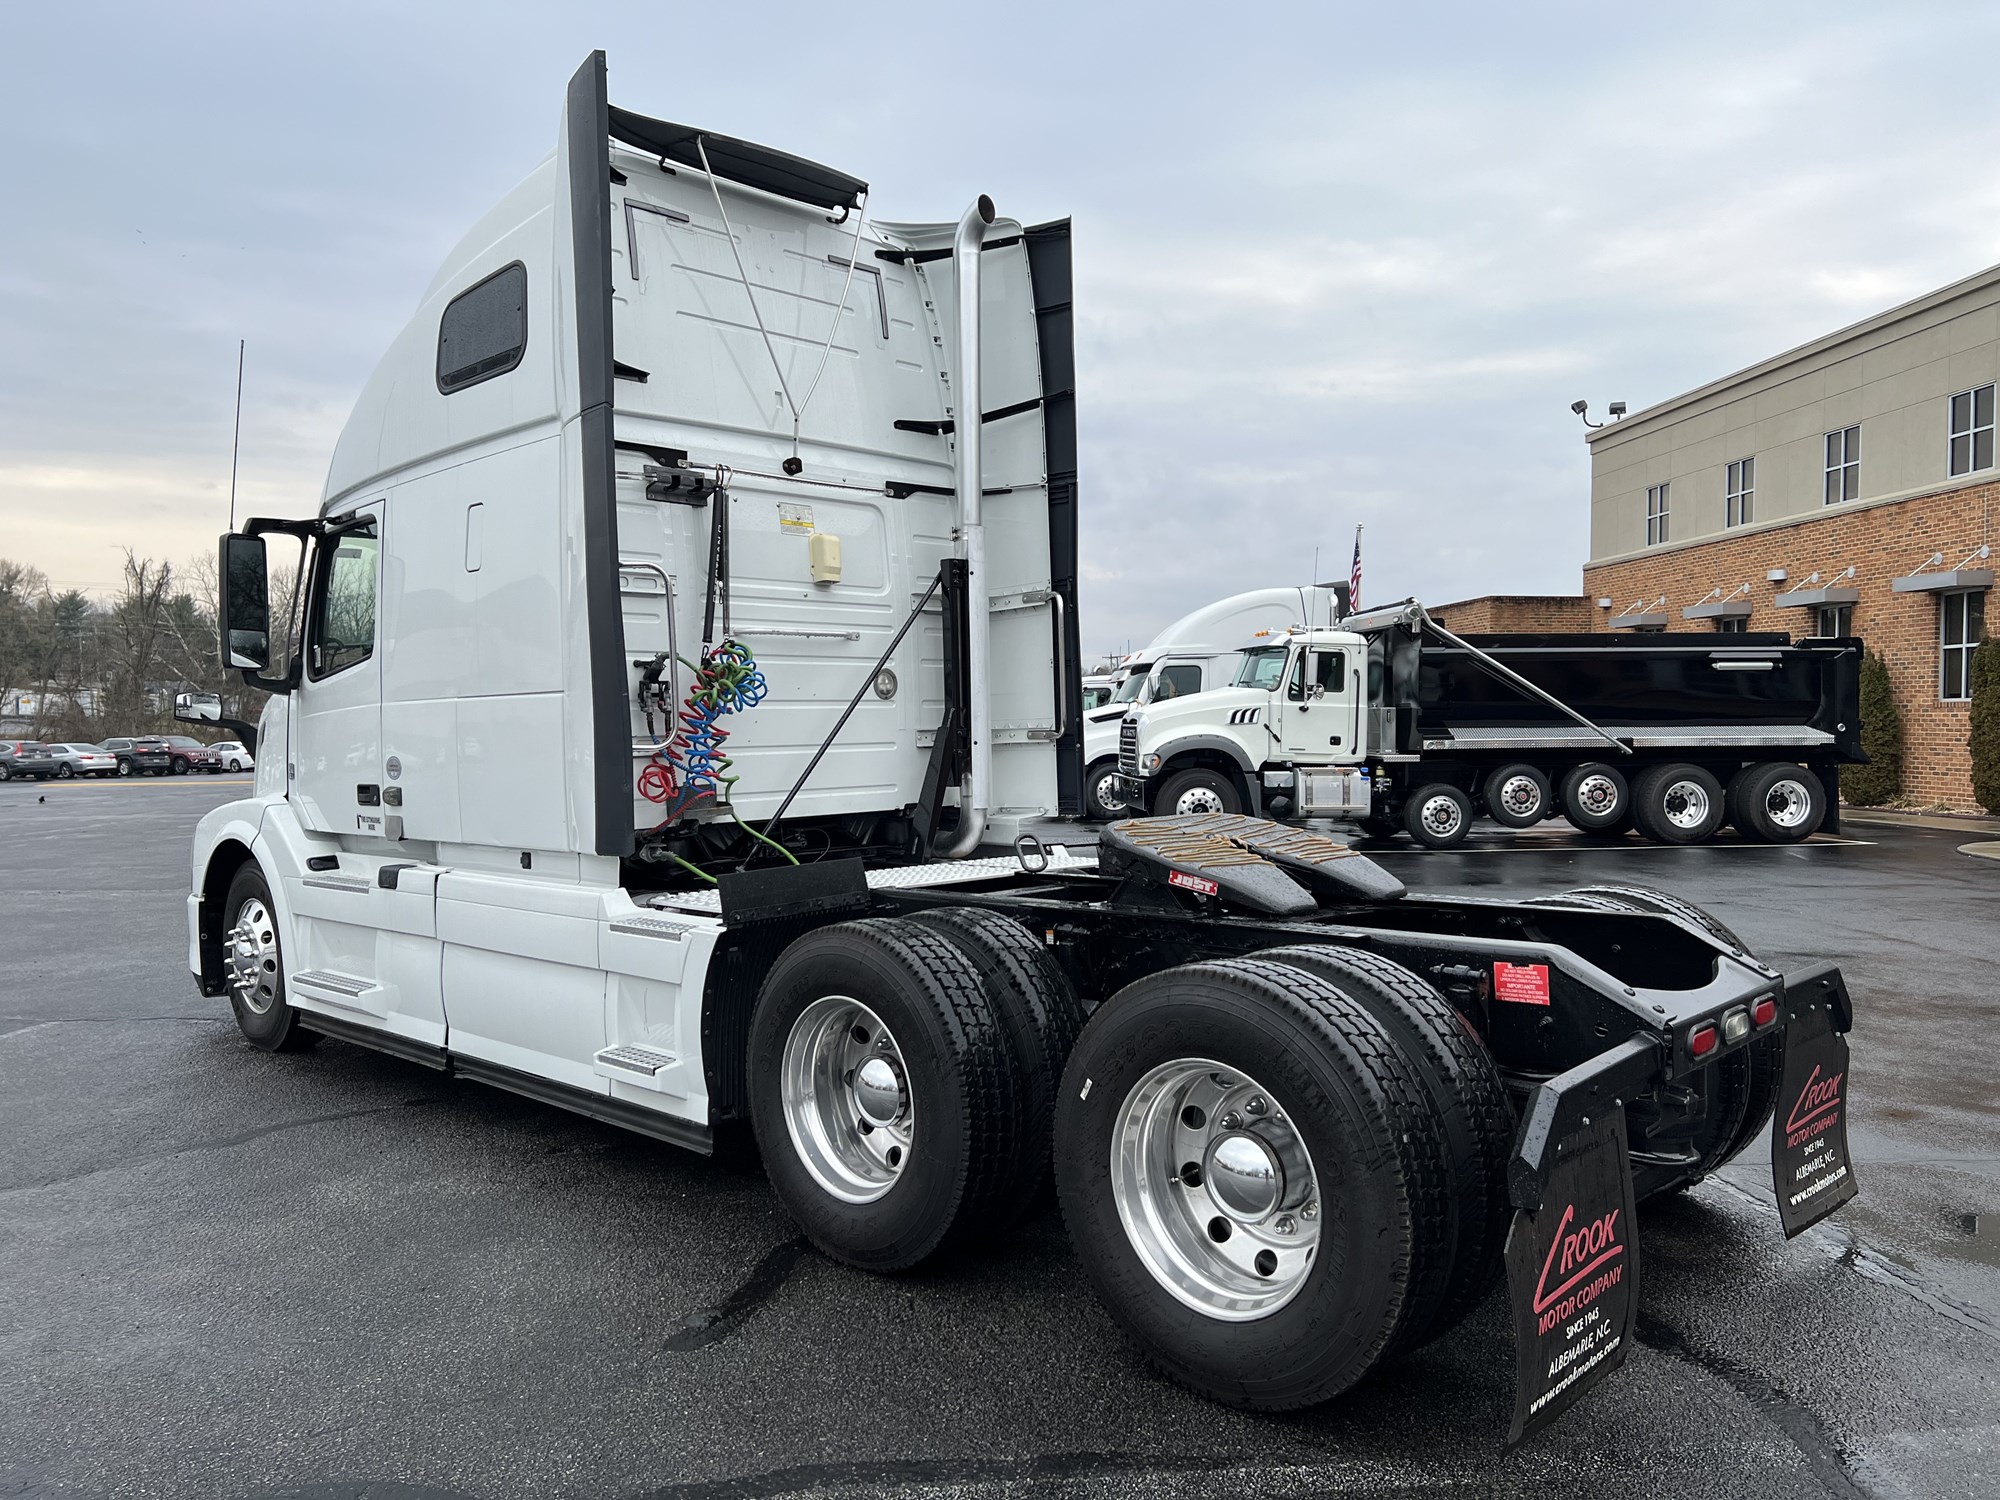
(743, 162)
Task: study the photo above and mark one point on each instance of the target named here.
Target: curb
(1987, 849)
(1966, 823)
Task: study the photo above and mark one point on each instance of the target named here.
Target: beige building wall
(1892, 375)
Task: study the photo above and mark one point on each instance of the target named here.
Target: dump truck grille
(1128, 748)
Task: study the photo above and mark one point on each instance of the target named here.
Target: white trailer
(677, 444)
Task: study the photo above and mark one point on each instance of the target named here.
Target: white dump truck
(687, 618)
(1200, 651)
(1392, 720)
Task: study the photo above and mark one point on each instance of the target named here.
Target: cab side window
(1326, 670)
(343, 623)
(1177, 681)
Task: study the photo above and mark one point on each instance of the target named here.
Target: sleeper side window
(484, 330)
(343, 624)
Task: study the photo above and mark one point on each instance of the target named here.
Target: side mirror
(245, 604)
(198, 708)
(1315, 691)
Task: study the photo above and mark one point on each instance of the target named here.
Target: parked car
(233, 756)
(26, 758)
(147, 753)
(185, 753)
(76, 759)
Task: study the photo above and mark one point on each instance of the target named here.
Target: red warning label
(1193, 883)
(1524, 984)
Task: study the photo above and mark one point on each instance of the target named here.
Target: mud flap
(1573, 1274)
(1810, 1167)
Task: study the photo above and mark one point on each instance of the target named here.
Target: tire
(1198, 790)
(1097, 783)
(1647, 898)
(1438, 816)
(6, 773)
(125, 768)
(235, 765)
(254, 962)
(1376, 826)
(178, 767)
(1776, 803)
(1041, 1016)
(1291, 1331)
(1518, 796)
(1468, 1099)
(1596, 798)
(1677, 804)
(945, 1164)
(65, 771)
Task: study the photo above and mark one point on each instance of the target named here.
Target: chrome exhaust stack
(976, 794)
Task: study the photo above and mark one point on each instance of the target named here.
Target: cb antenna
(236, 437)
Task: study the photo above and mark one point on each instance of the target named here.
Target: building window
(1831, 620)
(1972, 430)
(1843, 465)
(1740, 496)
(1731, 624)
(1656, 515)
(1963, 622)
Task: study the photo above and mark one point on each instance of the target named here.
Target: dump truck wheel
(1518, 796)
(1467, 1097)
(1252, 1177)
(1197, 790)
(1596, 798)
(253, 962)
(1041, 1016)
(882, 1092)
(1776, 803)
(1438, 816)
(1677, 804)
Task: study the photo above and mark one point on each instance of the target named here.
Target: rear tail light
(1736, 1025)
(1703, 1039)
(1765, 1011)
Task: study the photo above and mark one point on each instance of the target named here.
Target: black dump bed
(1656, 690)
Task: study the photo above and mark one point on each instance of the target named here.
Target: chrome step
(331, 988)
(632, 1058)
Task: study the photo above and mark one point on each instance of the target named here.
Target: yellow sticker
(796, 519)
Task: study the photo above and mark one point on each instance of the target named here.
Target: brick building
(1848, 487)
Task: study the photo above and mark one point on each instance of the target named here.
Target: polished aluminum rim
(846, 1097)
(1199, 799)
(1597, 794)
(1215, 1189)
(1686, 804)
(253, 957)
(1442, 816)
(1520, 796)
(1789, 803)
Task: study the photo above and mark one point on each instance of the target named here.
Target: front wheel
(253, 960)
(65, 771)
(180, 768)
(1199, 790)
(1102, 800)
(1438, 816)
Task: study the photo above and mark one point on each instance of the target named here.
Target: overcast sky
(1336, 264)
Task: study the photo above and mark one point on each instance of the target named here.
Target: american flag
(1354, 574)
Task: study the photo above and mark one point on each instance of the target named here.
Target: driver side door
(1318, 710)
(336, 759)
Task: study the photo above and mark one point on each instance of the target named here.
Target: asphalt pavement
(335, 1274)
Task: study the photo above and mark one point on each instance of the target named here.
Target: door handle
(368, 795)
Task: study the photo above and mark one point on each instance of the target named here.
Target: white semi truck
(679, 444)
(1392, 720)
(1200, 651)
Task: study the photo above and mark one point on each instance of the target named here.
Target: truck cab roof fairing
(744, 162)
